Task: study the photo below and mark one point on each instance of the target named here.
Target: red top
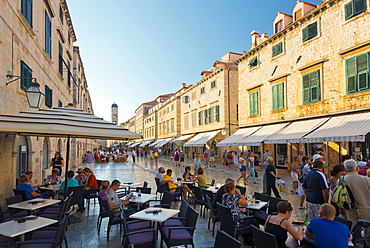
(91, 182)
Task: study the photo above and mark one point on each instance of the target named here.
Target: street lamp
(34, 93)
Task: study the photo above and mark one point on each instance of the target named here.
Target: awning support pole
(66, 169)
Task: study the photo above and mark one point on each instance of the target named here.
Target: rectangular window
(202, 90)
(193, 95)
(186, 121)
(278, 96)
(61, 13)
(298, 14)
(172, 126)
(205, 116)
(47, 34)
(278, 26)
(26, 9)
(60, 104)
(25, 72)
(253, 103)
(60, 59)
(277, 49)
(309, 32)
(194, 119)
(201, 118)
(213, 84)
(311, 87)
(357, 73)
(253, 62)
(354, 8)
(48, 96)
(217, 113)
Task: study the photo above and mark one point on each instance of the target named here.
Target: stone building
(315, 65)
(36, 41)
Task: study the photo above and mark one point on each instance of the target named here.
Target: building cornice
(69, 20)
(351, 49)
(290, 27)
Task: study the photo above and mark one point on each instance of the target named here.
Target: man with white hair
(360, 187)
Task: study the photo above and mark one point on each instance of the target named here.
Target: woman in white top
(243, 168)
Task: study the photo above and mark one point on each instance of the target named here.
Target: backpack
(301, 174)
(343, 196)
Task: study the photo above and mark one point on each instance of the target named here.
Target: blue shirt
(329, 233)
(71, 183)
(26, 187)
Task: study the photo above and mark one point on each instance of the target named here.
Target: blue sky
(135, 50)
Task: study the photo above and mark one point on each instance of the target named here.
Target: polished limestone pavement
(85, 234)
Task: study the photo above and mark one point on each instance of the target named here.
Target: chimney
(183, 85)
(255, 35)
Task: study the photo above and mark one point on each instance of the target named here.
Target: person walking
(271, 176)
(206, 158)
(156, 156)
(133, 154)
(177, 157)
(212, 159)
(294, 175)
(197, 164)
(251, 168)
(243, 168)
(89, 158)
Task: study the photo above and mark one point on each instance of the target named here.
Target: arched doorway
(45, 157)
(22, 157)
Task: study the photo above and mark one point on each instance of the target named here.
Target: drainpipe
(228, 98)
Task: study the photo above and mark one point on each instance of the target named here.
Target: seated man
(326, 232)
(160, 174)
(173, 187)
(70, 183)
(30, 192)
(114, 203)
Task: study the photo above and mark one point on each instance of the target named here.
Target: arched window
(22, 157)
(45, 158)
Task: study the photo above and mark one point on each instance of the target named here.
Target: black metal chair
(22, 193)
(261, 216)
(91, 194)
(177, 194)
(143, 190)
(181, 235)
(103, 212)
(133, 226)
(159, 186)
(346, 222)
(179, 220)
(212, 183)
(227, 223)
(141, 239)
(13, 211)
(263, 239)
(225, 240)
(114, 219)
(77, 197)
(199, 200)
(165, 202)
(212, 215)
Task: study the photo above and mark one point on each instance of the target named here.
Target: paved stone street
(84, 234)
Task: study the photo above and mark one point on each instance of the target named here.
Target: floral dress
(231, 201)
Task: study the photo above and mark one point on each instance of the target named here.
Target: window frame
(310, 88)
(213, 84)
(27, 11)
(277, 49)
(48, 96)
(202, 90)
(353, 8)
(356, 74)
(306, 36)
(253, 62)
(48, 35)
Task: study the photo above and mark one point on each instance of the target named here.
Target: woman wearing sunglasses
(57, 162)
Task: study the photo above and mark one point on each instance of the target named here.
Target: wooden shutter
(199, 118)
(47, 34)
(274, 51)
(312, 30)
(25, 72)
(274, 97)
(305, 34)
(306, 88)
(362, 72)
(348, 10)
(280, 96)
(253, 62)
(315, 85)
(359, 6)
(205, 116)
(351, 75)
(217, 113)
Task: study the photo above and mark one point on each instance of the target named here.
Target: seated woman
(90, 182)
(30, 192)
(54, 178)
(280, 226)
(201, 178)
(30, 175)
(187, 174)
(105, 185)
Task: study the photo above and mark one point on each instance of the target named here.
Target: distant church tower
(115, 113)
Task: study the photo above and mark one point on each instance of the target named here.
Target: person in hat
(362, 167)
(54, 178)
(80, 177)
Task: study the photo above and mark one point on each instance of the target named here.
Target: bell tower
(114, 113)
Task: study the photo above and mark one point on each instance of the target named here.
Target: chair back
(59, 235)
(344, 221)
(211, 209)
(225, 240)
(145, 184)
(13, 199)
(99, 182)
(261, 197)
(144, 190)
(159, 186)
(273, 202)
(77, 196)
(227, 223)
(263, 239)
(21, 192)
(183, 208)
(198, 194)
(102, 204)
(242, 189)
(191, 219)
(213, 182)
(167, 197)
(208, 193)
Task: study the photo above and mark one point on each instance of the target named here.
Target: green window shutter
(217, 113)
(274, 51)
(351, 75)
(362, 71)
(277, 49)
(348, 10)
(60, 104)
(205, 116)
(253, 103)
(312, 30)
(253, 62)
(199, 119)
(305, 34)
(25, 72)
(280, 101)
(48, 96)
(315, 85)
(26, 10)
(359, 6)
(60, 59)
(274, 97)
(306, 88)
(47, 34)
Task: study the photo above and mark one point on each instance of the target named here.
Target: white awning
(259, 136)
(352, 127)
(182, 138)
(155, 143)
(233, 139)
(201, 138)
(135, 144)
(295, 131)
(163, 142)
(129, 143)
(146, 143)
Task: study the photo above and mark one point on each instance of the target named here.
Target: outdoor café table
(12, 228)
(27, 205)
(184, 182)
(127, 186)
(51, 187)
(257, 206)
(140, 200)
(147, 214)
(213, 189)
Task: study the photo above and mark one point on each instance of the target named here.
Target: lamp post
(34, 93)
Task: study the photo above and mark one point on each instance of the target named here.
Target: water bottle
(362, 231)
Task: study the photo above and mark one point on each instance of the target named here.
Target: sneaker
(302, 208)
(293, 192)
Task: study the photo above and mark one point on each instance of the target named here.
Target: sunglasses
(79, 171)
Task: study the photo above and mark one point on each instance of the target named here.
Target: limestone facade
(38, 44)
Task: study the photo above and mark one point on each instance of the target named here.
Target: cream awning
(155, 143)
(201, 138)
(163, 142)
(233, 139)
(259, 136)
(182, 138)
(295, 131)
(129, 143)
(352, 127)
(135, 144)
(146, 143)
